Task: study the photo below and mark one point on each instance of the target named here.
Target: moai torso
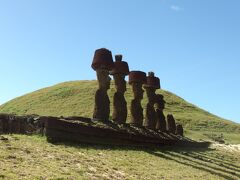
(119, 72)
(179, 130)
(102, 105)
(119, 108)
(161, 120)
(150, 116)
(136, 113)
(171, 125)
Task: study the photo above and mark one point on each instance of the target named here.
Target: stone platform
(86, 130)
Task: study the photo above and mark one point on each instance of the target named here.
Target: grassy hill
(76, 98)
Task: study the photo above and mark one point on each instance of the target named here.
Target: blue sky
(193, 46)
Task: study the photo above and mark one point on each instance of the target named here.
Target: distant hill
(76, 98)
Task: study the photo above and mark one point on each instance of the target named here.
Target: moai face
(160, 102)
(103, 79)
(151, 95)
(137, 90)
(120, 83)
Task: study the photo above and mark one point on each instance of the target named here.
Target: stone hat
(102, 59)
(120, 67)
(137, 76)
(152, 81)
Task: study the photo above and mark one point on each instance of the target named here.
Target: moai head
(119, 72)
(160, 103)
(152, 84)
(179, 130)
(137, 79)
(171, 124)
(102, 64)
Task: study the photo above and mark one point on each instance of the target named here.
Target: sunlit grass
(31, 157)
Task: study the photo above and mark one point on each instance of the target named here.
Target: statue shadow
(193, 157)
(196, 158)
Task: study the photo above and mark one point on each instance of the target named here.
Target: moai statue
(171, 125)
(102, 64)
(119, 72)
(152, 84)
(136, 80)
(179, 130)
(161, 120)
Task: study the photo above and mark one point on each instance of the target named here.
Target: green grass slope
(31, 157)
(76, 98)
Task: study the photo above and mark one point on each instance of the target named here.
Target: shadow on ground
(197, 158)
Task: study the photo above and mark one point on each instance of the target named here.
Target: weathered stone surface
(171, 124)
(85, 130)
(150, 115)
(102, 64)
(137, 77)
(18, 124)
(120, 67)
(58, 130)
(152, 81)
(102, 105)
(119, 108)
(136, 80)
(179, 130)
(161, 120)
(102, 59)
(151, 86)
(119, 72)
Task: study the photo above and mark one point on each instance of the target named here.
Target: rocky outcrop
(20, 124)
